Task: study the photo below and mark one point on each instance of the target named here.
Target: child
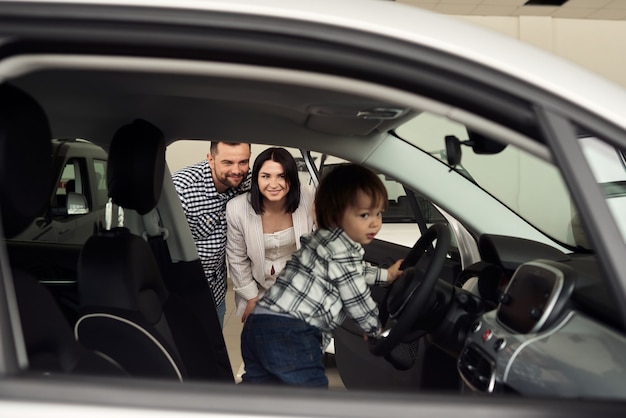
(325, 280)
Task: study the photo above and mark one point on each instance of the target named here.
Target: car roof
(420, 27)
(330, 78)
(67, 148)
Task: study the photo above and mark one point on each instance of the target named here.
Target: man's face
(229, 165)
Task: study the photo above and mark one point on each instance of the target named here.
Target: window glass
(71, 181)
(399, 223)
(101, 195)
(528, 185)
(67, 175)
(608, 166)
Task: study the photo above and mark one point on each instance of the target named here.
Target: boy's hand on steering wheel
(394, 271)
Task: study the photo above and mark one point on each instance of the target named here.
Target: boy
(283, 339)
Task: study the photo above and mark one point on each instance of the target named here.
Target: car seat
(127, 311)
(26, 165)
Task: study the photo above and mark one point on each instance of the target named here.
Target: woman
(265, 225)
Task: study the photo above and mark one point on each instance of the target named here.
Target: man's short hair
(214, 144)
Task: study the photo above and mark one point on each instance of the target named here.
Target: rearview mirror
(480, 145)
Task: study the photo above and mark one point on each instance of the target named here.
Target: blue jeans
(221, 312)
(279, 349)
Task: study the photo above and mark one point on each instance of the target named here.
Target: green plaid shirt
(325, 281)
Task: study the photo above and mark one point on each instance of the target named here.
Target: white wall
(183, 153)
(598, 45)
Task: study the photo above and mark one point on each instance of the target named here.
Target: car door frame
(75, 395)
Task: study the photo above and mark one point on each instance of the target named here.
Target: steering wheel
(407, 296)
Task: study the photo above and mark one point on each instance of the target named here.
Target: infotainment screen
(530, 297)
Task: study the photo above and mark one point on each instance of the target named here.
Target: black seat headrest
(136, 166)
(25, 159)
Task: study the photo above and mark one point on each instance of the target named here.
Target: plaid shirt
(325, 280)
(205, 209)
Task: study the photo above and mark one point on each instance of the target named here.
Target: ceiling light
(545, 2)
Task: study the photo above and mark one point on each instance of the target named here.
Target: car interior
(49, 342)
(124, 298)
(127, 312)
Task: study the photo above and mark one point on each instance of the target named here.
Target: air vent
(477, 369)
(545, 2)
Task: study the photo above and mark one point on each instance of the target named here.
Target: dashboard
(539, 342)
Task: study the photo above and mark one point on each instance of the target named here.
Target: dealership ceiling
(566, 9)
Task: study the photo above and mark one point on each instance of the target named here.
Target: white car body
(520, 70)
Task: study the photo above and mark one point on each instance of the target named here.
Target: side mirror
(76, 204)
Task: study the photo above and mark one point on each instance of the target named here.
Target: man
(204, 189)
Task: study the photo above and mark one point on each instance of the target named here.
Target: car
(49, 246)
(77, 202)
(513, 300)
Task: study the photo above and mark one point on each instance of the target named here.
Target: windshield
(529, 186)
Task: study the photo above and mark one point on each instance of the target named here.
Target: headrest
(25, 159)
(136, 166)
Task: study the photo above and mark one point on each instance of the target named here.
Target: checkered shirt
(205, 209)
(326, 280)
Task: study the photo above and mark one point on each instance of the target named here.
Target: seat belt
(156, 237)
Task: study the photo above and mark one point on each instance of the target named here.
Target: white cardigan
(245, 247)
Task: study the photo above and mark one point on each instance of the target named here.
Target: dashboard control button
(499, 344)
(476, 326)
(487, 335)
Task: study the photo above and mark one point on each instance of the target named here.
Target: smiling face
(363, 219)
(229, 165)
(272, 182)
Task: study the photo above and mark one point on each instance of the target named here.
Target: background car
(518, 297)
(78, 198)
